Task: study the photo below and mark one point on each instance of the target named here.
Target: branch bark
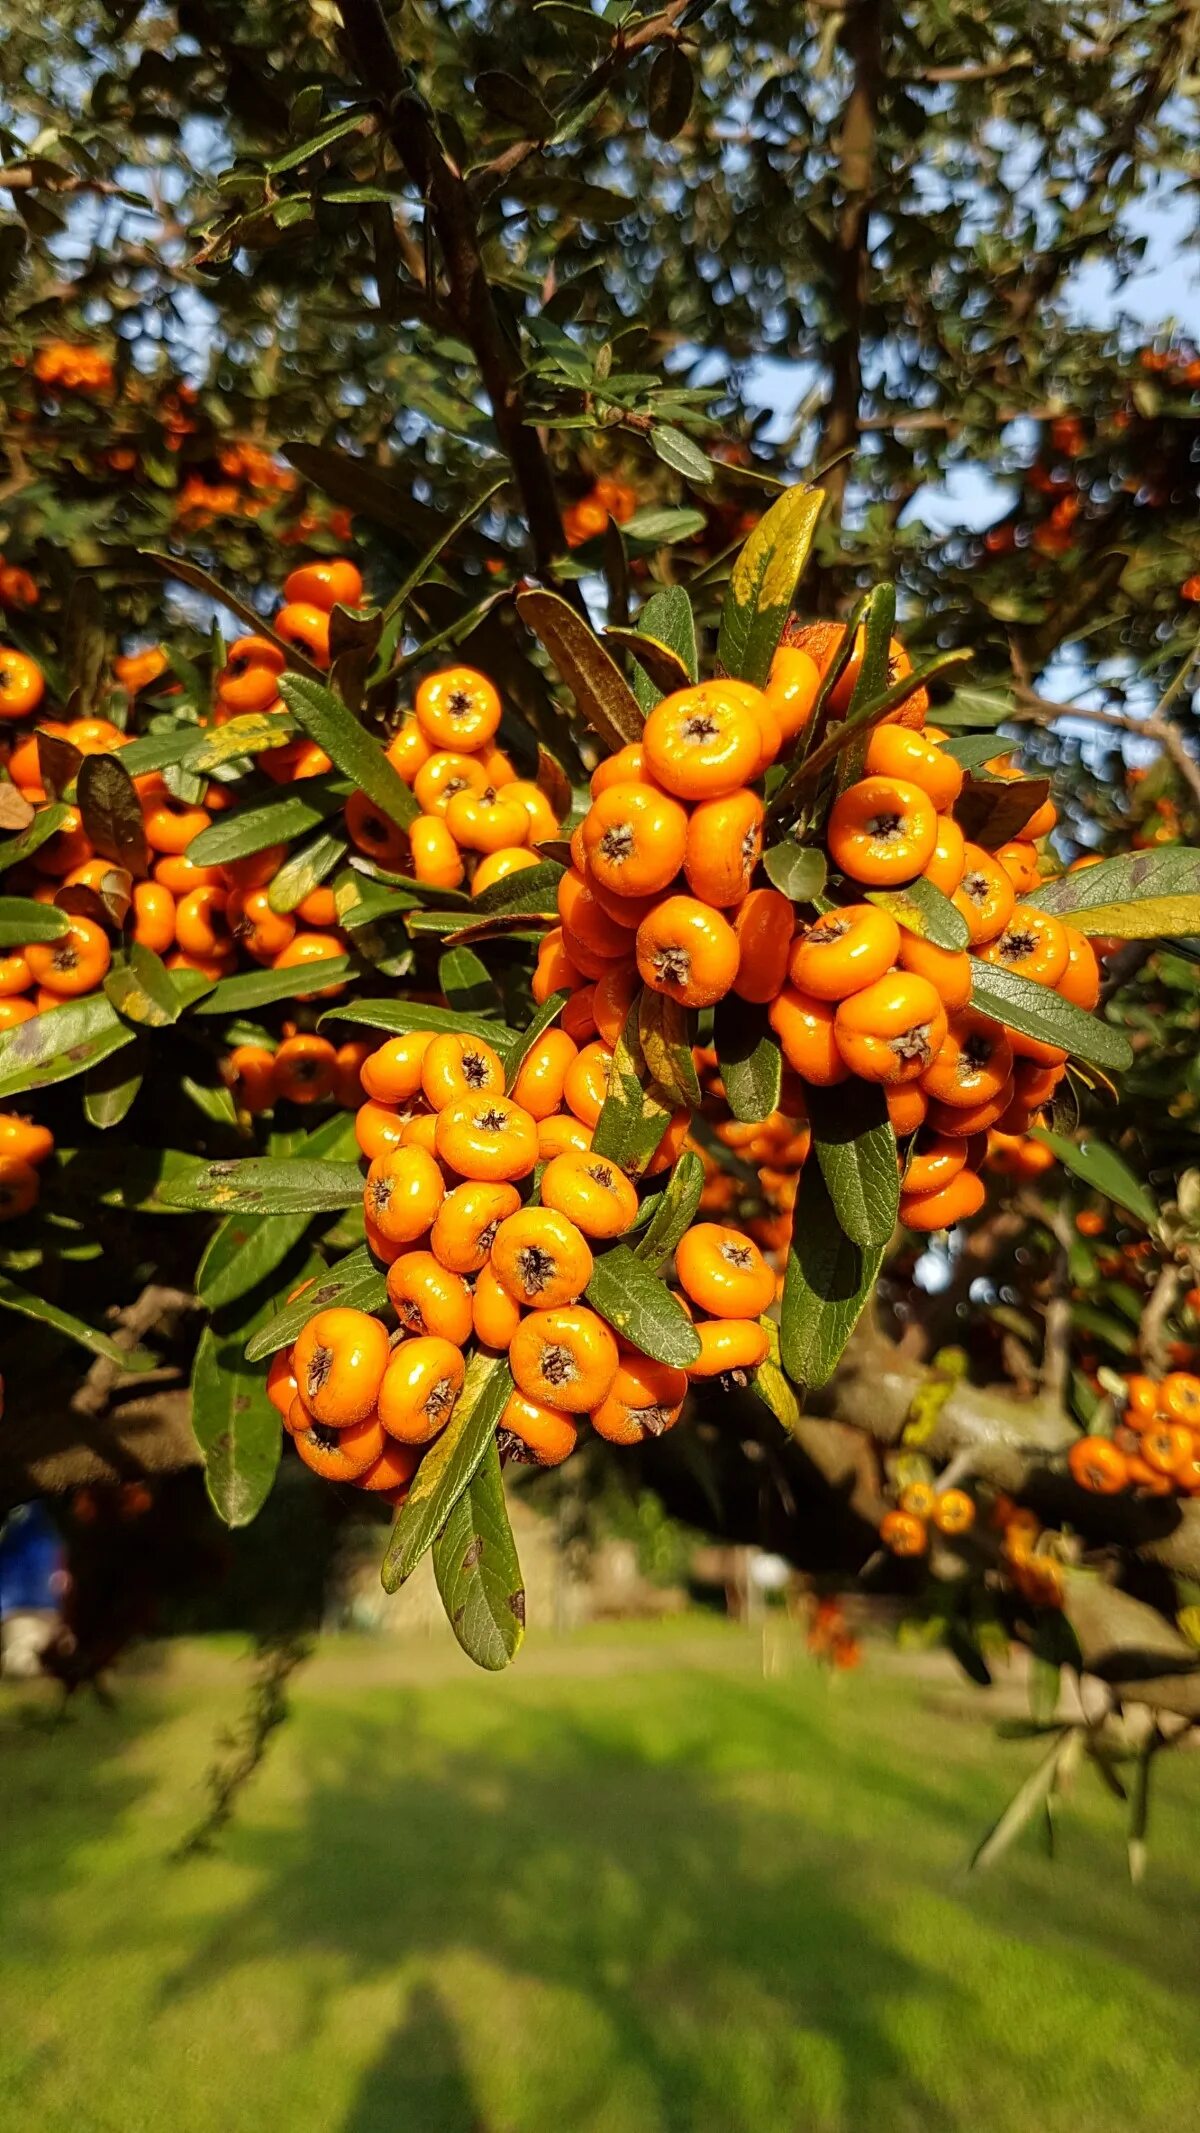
(448, 202)
(856, 172)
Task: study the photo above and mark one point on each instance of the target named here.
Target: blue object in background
(31, 1561)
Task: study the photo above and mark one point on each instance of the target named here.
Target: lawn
(634, 1887)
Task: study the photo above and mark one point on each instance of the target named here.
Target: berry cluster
(1154, 1449)
(905, 1531)
(24, 1147)
(664, 891)
(476, 1253)
(70, 367)
(589, 516)
(479, 821)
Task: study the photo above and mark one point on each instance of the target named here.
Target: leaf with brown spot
(112, 813)
(58, 763)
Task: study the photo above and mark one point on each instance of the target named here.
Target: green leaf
(305, 870)
(397, 1017)
(45, 824)
(262, 1185)
(669, 92)
(633, 1117)
(129, 1177)
(677, 451)
(464, 982)
(349, 746)
(855, 1146)
(749, 1059)
(1102, 1168)
(110, 1090)
(514, 102)
(600, 690)
(356, 1283)
(667, 617)
(971, 750)
(237, 1428)
(22, 920)
(773, 1389)
(478, 1575)
(799, 871)
(142, 989)
(666, 1047)
(62, 1042)
(641, 1308)
(971, 705)
(1137, 898)
(242, 1252)
(336, 130)
(878, 623)
(1036, 1011)
(260, 988)
(530, 890)
(244, 1249)
(74, 1329)
(674, 1214)
(662, 525)
(826, 1286)
(449, 1466)
(548, 1013)
(923, 909)
(251, 829)
(251, 734)
(763, 584)
(159, 750)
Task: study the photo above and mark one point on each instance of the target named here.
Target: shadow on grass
(711, 1942)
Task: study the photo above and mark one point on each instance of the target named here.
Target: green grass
(633, 1887)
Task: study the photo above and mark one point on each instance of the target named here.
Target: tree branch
(1153, 726)
(448, 202)
(856, 170)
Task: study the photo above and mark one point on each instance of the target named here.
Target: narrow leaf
(674, 1213)
(749, 1058)
(1037, 1011)
(261, 1185)
(826, 1286)
(13, 1298)
(855, 1145)
(260, 988)
(600, 690)
(244, 830)
(1102, 1168)
(346, 743)
(356, 1283)
(763, 584)
(923, 909)
(237, 1429)
(477, 1571)
(449, 1466)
